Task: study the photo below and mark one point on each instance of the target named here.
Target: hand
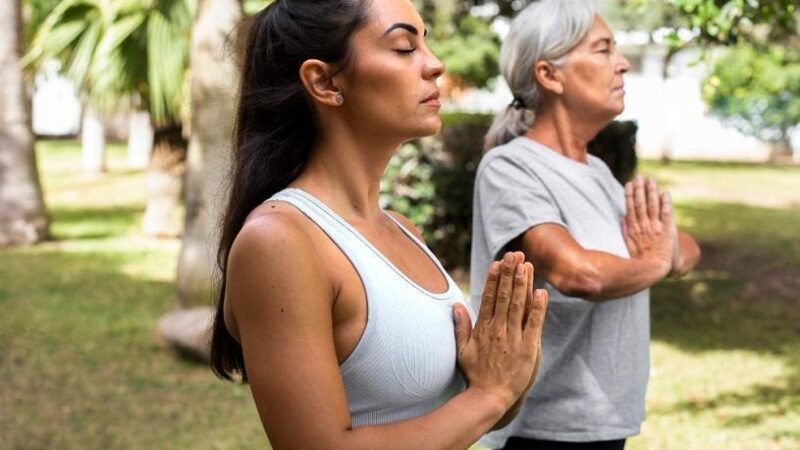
(501, 355)
(649, 227)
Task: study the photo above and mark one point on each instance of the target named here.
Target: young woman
(538, 191)
(348, 330)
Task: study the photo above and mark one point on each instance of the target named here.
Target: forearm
(611, 277)
(455, 425)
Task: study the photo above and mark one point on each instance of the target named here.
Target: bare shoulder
(273, 227)
(273, 251)
(407, 224)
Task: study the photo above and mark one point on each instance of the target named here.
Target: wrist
(494, 403)
(662, 267)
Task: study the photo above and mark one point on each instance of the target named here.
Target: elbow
(582, 282)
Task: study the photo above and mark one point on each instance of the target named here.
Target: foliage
(34, 13)
(729, 22)
(466, 44)
(121, 51)
(717, 22)
(756, 90)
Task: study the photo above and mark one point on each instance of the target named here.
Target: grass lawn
(80, 367)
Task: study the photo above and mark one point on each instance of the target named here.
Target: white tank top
(404, 365)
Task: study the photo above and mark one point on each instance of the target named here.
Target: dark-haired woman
(348, 330)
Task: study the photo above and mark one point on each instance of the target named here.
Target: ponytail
(507, 125)
(546, 30)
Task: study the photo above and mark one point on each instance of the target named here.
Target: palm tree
(125, 52)
(22, 214)
(214, 71)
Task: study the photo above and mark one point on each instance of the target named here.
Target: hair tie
(517, 103)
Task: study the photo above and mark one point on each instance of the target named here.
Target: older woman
(597, 246)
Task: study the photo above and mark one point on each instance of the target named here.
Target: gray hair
(546, 30)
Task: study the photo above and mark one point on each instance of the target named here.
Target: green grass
(81, 367)
(726, 339)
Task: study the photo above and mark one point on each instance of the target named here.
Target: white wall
(56, 110)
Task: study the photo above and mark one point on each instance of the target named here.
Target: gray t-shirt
(595, 356)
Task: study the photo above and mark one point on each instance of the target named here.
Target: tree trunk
(140, 140)
(165, 182)
(93, 142)
(22, 213)
(214, 74)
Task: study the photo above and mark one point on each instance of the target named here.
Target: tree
(126, 52)
(757, 90)
(216, 42)
(214, 75)
(466, 44)
(22, 212)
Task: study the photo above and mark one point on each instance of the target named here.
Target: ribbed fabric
(404, 365)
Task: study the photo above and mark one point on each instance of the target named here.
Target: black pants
(517, 443)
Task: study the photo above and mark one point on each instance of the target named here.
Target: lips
(431, 98)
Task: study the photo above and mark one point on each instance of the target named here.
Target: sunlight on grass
(81, 368)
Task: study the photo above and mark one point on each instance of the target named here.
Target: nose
(624, 64)
(433, 67)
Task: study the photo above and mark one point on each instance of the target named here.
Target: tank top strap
(353, 245)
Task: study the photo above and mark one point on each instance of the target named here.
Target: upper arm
(511, 199)
(560, 260)
(282, 302)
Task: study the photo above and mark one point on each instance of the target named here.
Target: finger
(640, 202)
(666, 209)
(504, 289)
(633, 247)
(516, 308)
(519, 258)
(463, 326)
(489, 294)
(533, 327)
(630, 205)
(529, 291)
(653, 202)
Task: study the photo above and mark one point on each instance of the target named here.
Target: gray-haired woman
(597, 246)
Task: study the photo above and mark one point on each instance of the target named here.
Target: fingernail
(494, 268)
(508, 258)
(520, 270)
(456, 316)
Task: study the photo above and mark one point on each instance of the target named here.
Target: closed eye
(405, 51)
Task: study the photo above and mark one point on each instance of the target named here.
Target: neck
(566, 133)
(344, 171)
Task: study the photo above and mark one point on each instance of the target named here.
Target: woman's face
(390, 88)
(592, 76)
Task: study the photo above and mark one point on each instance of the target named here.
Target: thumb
(463, 326)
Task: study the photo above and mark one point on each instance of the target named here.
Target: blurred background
(115, 125)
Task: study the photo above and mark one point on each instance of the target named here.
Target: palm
(119, 51)
(123, 54)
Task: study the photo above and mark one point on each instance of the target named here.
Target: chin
(429, 128)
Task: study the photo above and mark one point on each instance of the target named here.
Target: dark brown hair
(276, 125)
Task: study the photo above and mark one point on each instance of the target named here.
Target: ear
(315, 75)
(549, 77)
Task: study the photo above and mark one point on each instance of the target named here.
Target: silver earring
(339, 99)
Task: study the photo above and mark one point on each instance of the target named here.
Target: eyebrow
(405, 26)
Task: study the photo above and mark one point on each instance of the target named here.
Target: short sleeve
(512, 199)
